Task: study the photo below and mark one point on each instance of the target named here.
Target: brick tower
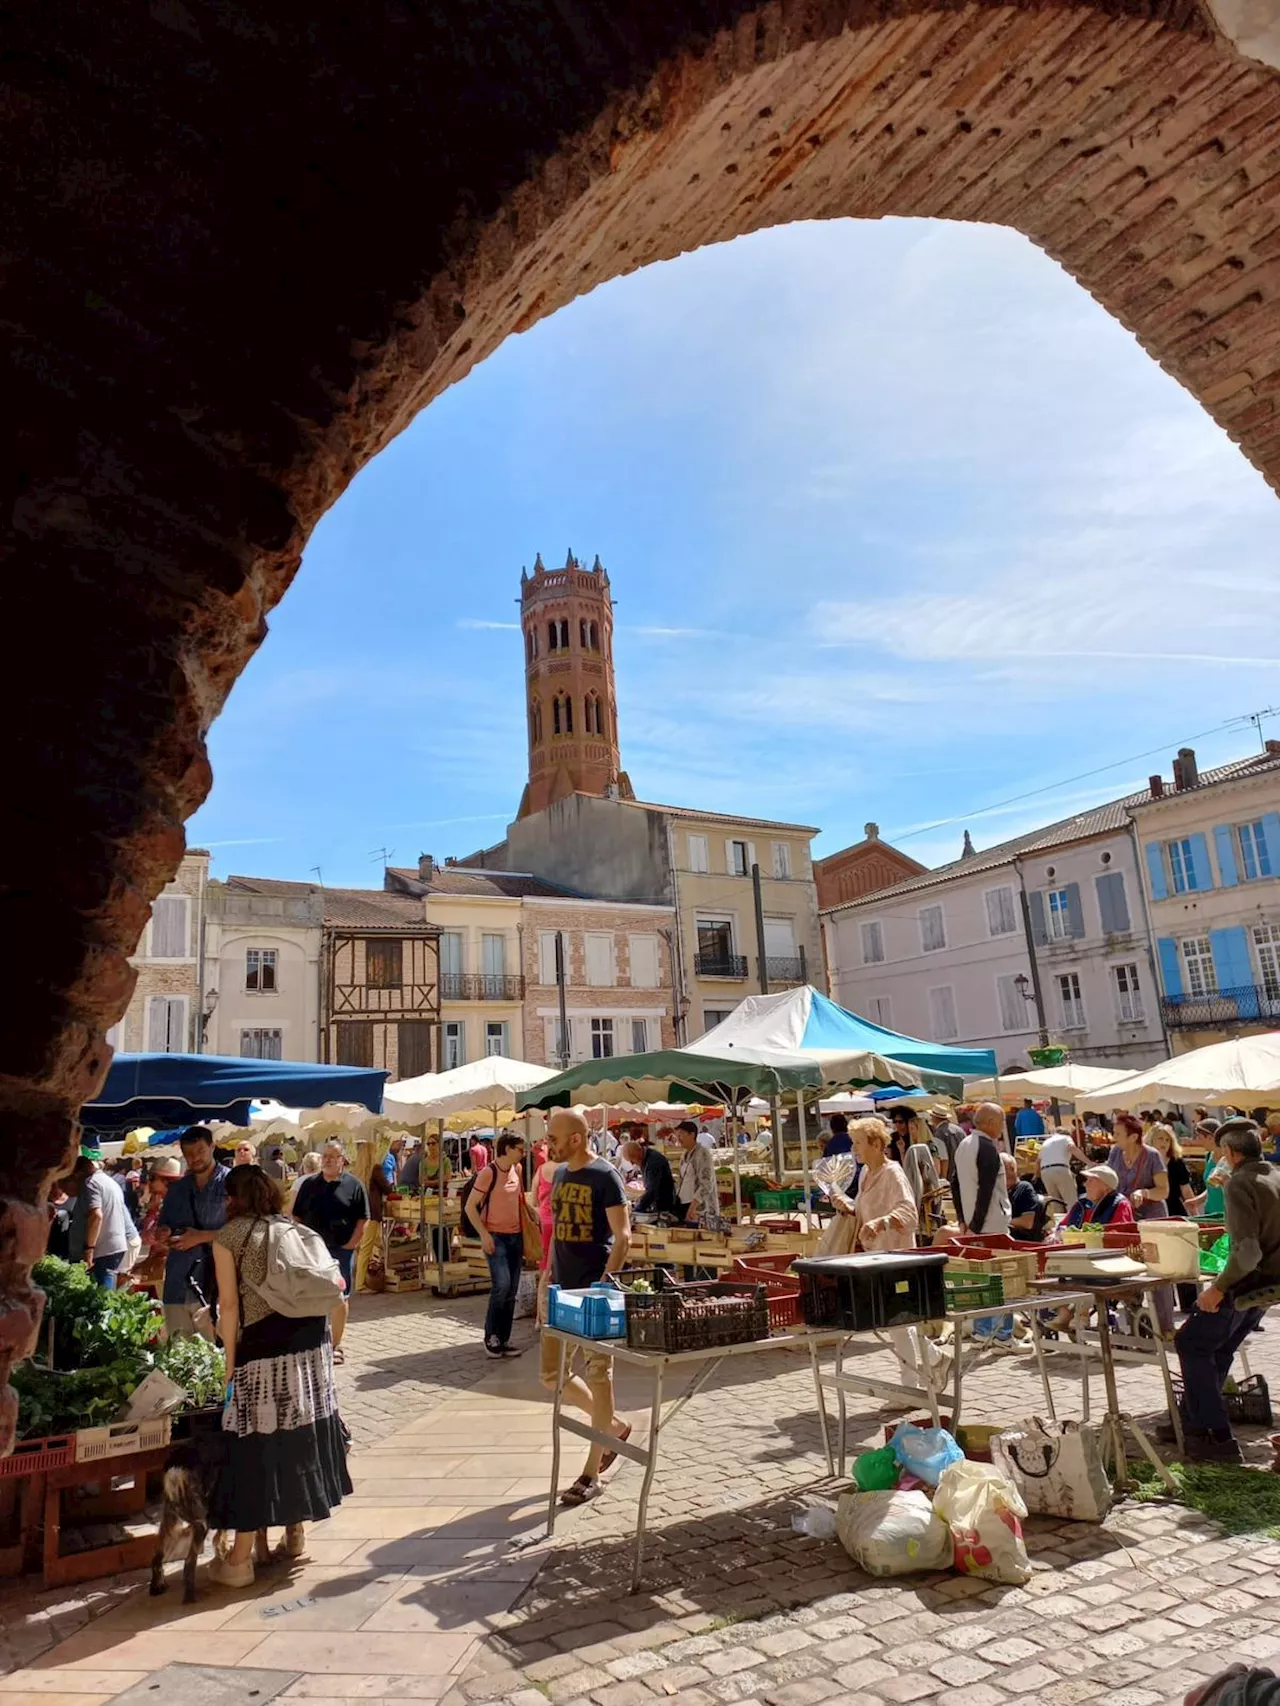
(570, 702)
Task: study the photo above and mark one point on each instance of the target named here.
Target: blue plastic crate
(599, 1312)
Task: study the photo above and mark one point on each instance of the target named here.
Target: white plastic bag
(982, 1509)
(1057, 1467)
(818, 1522)
(892, 1533)
(527, 1295)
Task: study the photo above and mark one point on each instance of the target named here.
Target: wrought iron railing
(1246, 1004)
(720, 965)
(480, 986)
(786, 968)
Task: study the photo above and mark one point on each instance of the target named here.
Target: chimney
(1272, 748)
(871, 831)
(1156, 785)
(1190, 774)
(968, 851)
(426, 867)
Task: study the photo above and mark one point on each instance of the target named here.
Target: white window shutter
(600, 967)
(728, 856)
(546, 956)
(644, 962)
(751, 856)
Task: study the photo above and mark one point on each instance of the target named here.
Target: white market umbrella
(488, 1085)
(1064, 1083)
(1238, 1072)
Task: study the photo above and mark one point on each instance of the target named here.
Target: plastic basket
(598, 1312)
(122, 1439)
(782, 1290)
(697, 1317)
(1249, 1406)
(777, 1202)
(34, 1456)
(973, 1291)
(1001, 1244)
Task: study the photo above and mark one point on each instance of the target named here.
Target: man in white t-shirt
(100, 1223)
(982, 1199)
(1057, 1151)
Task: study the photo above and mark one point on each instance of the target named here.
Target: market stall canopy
(804, 1021)
(1063, 1083)
(1237, 1073)
(671, 1075)
(168, 1090)
(487, 1085)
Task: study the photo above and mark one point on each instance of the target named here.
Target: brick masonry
(621, 922)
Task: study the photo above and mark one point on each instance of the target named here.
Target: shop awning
(169, 1090)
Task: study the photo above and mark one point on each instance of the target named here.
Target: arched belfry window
(535, 722)
(555, 715)
(568, 715)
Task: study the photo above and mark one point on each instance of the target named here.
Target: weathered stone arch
(240, 253)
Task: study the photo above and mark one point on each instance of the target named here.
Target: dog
(191, 1473)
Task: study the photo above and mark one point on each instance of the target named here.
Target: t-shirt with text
(581, 1236)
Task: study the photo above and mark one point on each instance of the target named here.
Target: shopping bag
(925, 1452)
(892, 1533)
(1057, 1467)
(1216, 1257)
(527, 1295)
(983, 1508)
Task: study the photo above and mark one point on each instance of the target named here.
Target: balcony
(786, 969)
(720, 965)
(1247, 1004)
(480, 986)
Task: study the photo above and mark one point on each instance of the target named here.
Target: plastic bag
(1215, 1258)
(1057, 1468)
(983, 1510)
(893, 1534)
(818, 1522)
(876, 1471)
(924, 1452)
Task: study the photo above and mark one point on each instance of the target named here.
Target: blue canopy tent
(801, 1021)
(173, 1090)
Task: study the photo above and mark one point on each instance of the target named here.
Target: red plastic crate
(1000, 1244)
(782, 1288)
(34, 1456)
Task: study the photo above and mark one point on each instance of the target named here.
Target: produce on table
(105, 1343)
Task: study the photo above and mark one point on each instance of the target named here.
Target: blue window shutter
(1200, 863)
(1231, 963)
(1120, 899)
(1039, 929)
(1271, 831)
(1075, 911)
(1170, 967)
(1225, 847)
(1155, 872)
(1113, 902)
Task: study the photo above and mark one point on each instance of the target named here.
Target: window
(495, 1036)
(531, 644)
(602, 1039)
(413, 1048)
(1182, 865)
(451, 953)
(639, 1035)
(1197, 957)
(738, 863)
(933, 929)
(1058, 906)
(167, 1024)
(1002, 919)
(600, 966)
(535, 722)
(645, 964)
(169, 931)
(1128, 994)
(558, 635)
(260, 1043)
(383, 962)
(715, 947)
(1072, 1001)
(593, 722)
(547, 956)
(260, 976)
(712, 1016)
(1266, 942)
(455, 1044)
(353, 1043)
(562, 715)
(781, 859)
(493, 963)
(872, 944)
(942, 1014)
(1013, 1004)
(880, 1010)
(698, 853)
(1255, 856)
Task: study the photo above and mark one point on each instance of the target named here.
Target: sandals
(611, 1457)
(583, 1490)
(339, 1356)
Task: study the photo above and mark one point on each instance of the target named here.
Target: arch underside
(241, 263)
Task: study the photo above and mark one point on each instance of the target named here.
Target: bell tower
(571, 705)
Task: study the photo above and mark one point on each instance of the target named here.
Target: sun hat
(1108, 1175)
(169, 1168)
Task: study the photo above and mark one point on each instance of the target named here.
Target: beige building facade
(617, 964)
(165, 1013)
(263, 972)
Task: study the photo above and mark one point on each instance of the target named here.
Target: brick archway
(241, 257)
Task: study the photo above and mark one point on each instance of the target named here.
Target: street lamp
(1022, 983)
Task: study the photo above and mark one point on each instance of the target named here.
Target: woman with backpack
(286, 1458)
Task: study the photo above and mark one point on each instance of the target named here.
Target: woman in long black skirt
(286, 1461)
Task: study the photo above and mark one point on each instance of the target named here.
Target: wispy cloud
(249, 841)
(478, 622)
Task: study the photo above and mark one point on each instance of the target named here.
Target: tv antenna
(1256, 719)
(319, 875)
(383, 854)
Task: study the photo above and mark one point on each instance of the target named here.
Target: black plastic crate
(697, 1317)
(883, 1289)
(1249, 1406)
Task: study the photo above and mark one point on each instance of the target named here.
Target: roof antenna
(319, 875)
(1255, 717)
(386, 854)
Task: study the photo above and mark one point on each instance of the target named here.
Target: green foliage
(1241, 1501)
(50, 1402)
(197, 1366)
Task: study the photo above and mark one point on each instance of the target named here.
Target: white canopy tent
(489, 1085)
(1064, 1083)
(1238, 1073)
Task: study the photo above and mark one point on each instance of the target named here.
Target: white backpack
(302, 1278)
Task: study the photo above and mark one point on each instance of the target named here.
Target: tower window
(592, 712)
(531, 644)
(555, 715)
(535, 722)
(558, 635)
(568, 715)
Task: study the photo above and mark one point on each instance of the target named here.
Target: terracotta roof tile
(469, 880)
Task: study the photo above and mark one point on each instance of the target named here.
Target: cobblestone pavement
(413, 1590)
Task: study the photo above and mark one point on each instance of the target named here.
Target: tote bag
(1057, 1467)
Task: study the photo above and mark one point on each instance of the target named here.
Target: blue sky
(900, 524)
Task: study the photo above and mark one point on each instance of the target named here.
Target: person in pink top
(496, 1208)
